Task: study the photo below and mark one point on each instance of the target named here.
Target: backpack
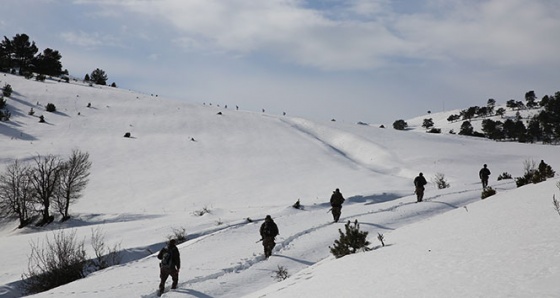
(337, 200)
(268, 229)
(166, 259)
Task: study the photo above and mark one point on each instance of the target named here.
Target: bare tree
(16, 193)
(45, 180)
(74, 174)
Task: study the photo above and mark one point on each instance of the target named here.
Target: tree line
(19, 55)
(543, 126)
(48, 182)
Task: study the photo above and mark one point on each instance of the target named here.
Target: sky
(328, 59)
(239, 166)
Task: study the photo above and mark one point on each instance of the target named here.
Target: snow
(183, 158)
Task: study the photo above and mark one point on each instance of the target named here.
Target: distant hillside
(211, 174)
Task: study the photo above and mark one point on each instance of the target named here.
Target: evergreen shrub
(352, 241)
(50, 107)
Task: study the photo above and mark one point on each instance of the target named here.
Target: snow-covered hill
(183, 158)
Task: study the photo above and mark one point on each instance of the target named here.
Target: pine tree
(48, 63)
(350, 242)
(98, 77)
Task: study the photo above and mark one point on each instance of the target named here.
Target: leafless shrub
(281, 273)
(179, 234)
(556, 204)
(202, 211)
(529, 166)
(381, 239)
(104, 256)
(440, 181)
(555, 201)
(58, 261)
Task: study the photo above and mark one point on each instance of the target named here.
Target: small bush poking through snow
(440, 181)
(59, 261)
(535, 174)
(555, 201)
(352, 241)
(202, 211)
(50, 107)
(104, 256)
(504, 176)
(63, 259)
(556, 204)
(488, 191)
(281, 273)
(381, 239)
(7, 90)
(40, 77)
(179, 234)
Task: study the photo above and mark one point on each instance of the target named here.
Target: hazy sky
(373, 61)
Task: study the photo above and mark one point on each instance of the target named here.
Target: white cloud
(82, 39)
(90, 40)
(495, 32)
(362, 34)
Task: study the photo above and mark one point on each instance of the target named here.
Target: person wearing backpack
(483, 174)
(169, 265)
(419, 183)
(268, 231)
(336, 204)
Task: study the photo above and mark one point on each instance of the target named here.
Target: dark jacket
(420, 181)
(337, 199)
(268, 229)
(484, 173)
(175, 256)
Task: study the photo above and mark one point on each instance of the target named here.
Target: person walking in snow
(483, 175)
(169, 265)
(268, 231)
(419, 183)
(336, 204)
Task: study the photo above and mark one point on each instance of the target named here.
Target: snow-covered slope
(183, 158)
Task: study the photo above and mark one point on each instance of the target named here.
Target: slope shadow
(307, 263)
(444, 203)
(84, 220)
(15, 133)
(60, 113)
(94, 219)
(22, 102)
(374, 199)
(377, 226)
(192, 292)
(12, 290)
